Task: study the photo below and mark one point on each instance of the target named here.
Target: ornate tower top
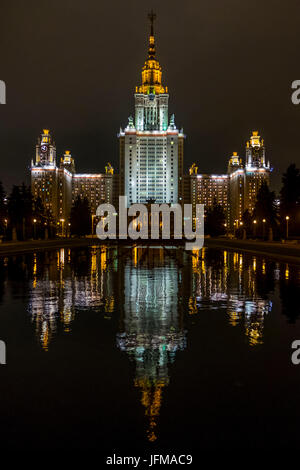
(67, 162)
(151, 72)
(45, 154)
(255, 152)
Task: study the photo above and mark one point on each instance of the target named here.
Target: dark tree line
(21, 216)
(81, 219)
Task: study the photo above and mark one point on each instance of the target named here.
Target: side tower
(256, 169)
(151, 147)
(236, 185)
(52, 185)
(44, 178)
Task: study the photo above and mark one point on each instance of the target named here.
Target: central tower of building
(151, 147)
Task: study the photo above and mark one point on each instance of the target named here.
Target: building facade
(151, 147)
(59, 186)
(235, 191)
(151, 151)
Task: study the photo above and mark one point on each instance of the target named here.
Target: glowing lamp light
(287, 218)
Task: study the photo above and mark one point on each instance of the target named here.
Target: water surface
(146, 349)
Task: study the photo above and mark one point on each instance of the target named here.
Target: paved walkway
(287, 251)
(8, 248)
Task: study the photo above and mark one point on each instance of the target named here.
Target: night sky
(72, 66)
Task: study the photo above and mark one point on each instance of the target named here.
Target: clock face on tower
(44, 148)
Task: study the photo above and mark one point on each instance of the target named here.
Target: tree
(247, 222)
(3, 210)
(215, 220)
(265, 212)
(81, 217)
(290, 197)
(290, 191)
(20, 211)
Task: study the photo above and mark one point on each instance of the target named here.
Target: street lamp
(264, 221)
(255, 222)
(34, 228)
(287, 226)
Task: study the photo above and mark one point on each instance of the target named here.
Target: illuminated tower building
(151, 147)
(256, 169)
(51, 184)
(236, 189)
(58, 187)
(245, 180)
(44, 173)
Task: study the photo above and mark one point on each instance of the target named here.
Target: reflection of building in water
(58, 290)
(228, 280)
(152, 328)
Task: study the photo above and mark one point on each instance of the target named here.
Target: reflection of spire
(151, 399)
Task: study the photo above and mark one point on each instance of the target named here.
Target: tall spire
(152, 18)
(151, 51)
(151, 72)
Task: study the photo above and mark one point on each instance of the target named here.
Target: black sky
(72, 66)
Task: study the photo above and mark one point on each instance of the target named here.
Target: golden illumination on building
(193, 170)
(109, 169)
(151, 72)
(255, 139)
(234, 159)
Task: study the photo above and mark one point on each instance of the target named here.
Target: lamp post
(254, 222)
(264, 222)
(34, 228)
(287, 226)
